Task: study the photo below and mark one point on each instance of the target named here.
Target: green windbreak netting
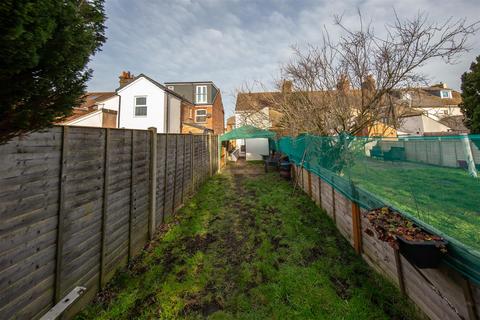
(247, 132)
(431, 180)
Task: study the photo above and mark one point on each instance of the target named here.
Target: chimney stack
(287, 86)
(125, 78)
(343, 84)
(369, 84)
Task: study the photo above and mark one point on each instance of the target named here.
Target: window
(201, 94)
(171, 88)
(140, 106)
(445, 94)
(201, 115)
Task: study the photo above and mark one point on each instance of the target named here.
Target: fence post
(132, 185)
(309, 181)
(440, 150)
(469, 156)
(61, 215)
(103, 235)
(319, 191)
(175, 175)
(153, 183)
(333, 204)
(356, 220)
(357, 229)
(165, 178)
(209, 141)
(192, 187)
(183, 167)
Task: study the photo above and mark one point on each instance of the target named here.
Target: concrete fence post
(153, 183)
(469, 156)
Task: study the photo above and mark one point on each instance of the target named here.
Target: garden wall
(440, 151)
(440, 293)
(76, 204)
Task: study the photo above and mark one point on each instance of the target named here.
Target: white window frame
(449, 94)
(201, 97)
(171, 88)
(135, 105)
(197, 115)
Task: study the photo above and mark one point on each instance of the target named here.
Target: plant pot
(284, 169)
(423, 254)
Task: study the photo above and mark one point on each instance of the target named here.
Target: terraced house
(207, 111)
(141, 102)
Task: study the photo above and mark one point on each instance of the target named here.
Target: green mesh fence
(428, 179)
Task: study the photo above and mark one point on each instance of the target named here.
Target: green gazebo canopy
(247, 132)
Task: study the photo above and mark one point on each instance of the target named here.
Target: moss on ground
(246, 247)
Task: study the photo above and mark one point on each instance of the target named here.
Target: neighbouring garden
(445, 198)
(246, 246)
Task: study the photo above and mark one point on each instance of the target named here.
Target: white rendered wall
(255, 148)
(110, 103)
(174, 114)
(155, 106)
(430, 125)
(417, 125)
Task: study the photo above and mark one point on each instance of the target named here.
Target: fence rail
(76, 204)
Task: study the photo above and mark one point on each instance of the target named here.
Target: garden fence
(349, 175)
(76, 204)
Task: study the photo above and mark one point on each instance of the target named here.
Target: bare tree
(353, 83)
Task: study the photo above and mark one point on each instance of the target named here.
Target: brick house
(206, 113)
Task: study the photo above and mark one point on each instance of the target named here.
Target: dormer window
(201, 94)
(446, 94)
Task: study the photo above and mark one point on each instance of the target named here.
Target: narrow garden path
(247, 247)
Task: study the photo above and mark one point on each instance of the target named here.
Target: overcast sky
(233, 42)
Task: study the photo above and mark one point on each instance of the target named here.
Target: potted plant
(284, 168)
(418, 246)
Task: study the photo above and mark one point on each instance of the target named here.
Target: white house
(99, 109)
(417, 124)
(145, 103)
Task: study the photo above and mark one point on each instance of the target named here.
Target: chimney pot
(343, 83)
(287, 86)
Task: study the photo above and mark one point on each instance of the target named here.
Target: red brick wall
(218, 115)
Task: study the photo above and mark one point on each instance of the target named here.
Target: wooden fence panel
(118, 199)
(187, 168)
(198, 161)
(140, 190)
(178, 183)
(170, 180)
(29, 190)
(83, 201)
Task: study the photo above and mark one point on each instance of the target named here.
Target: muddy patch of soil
(313, 255)
(341, 286)
(198, 243)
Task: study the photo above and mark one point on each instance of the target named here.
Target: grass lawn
(246, 247)
(446, 198)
